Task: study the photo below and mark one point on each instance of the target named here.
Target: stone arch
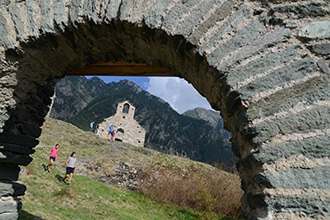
(119, 134)
(120, 130)
(263, 64)
(126, 108)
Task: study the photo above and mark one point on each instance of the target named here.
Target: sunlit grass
(47, 198)
(87, 198)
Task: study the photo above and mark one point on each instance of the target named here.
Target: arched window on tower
(126, 108)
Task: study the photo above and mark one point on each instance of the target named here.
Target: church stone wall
(127, 129)
(263, 63)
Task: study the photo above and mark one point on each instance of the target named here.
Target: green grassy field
(47, 198)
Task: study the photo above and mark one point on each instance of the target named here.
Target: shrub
(200, 187)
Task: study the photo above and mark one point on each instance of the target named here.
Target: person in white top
(70, 168)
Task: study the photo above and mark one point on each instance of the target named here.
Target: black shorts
(52, 158)
(69, 170)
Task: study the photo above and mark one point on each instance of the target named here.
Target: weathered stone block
(315, 30)
(317, 147)
(19, 159)
(299, 11)
(22, 140)
(221, 13)
(9, 216)
(322, 49)
(9, 171)
(9, 205)
(323, 66)
(12, 189)
(16, 148)
(244, 12)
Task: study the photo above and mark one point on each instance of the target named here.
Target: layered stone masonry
(127, 129)
(263, 64)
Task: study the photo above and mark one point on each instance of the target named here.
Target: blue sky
(181, 95)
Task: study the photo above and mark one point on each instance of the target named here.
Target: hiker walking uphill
(52, 157)
(111, 132)
(70, 164)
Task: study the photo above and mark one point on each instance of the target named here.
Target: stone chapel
(127, 129)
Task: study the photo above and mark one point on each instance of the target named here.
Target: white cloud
(181, 95)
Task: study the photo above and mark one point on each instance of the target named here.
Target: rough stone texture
(123, 176)
(10, 205)
(9, 172)
(322, 49)
(317, 29)
(14, 188)
(127, 129)
(263, 64)
(323, 66)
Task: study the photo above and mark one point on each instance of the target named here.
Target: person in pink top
(52, 157)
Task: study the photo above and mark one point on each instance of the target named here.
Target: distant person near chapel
(52, 157)
(111, 132)
(70, 165)
(91, 126)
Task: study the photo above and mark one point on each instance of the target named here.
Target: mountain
(80, 101)
(210, 116)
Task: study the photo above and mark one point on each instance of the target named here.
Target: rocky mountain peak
(196, 134)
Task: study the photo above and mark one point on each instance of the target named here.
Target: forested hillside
(80, 101)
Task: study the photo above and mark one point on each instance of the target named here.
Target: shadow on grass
(58, 177)
(23, 215)
(44, 166)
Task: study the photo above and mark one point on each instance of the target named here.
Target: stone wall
(127, 129)
(264, 64)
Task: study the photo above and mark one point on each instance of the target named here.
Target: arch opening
(265, 70)
(46, 83)
(126, 108)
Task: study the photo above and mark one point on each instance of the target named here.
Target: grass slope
(47, 198)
